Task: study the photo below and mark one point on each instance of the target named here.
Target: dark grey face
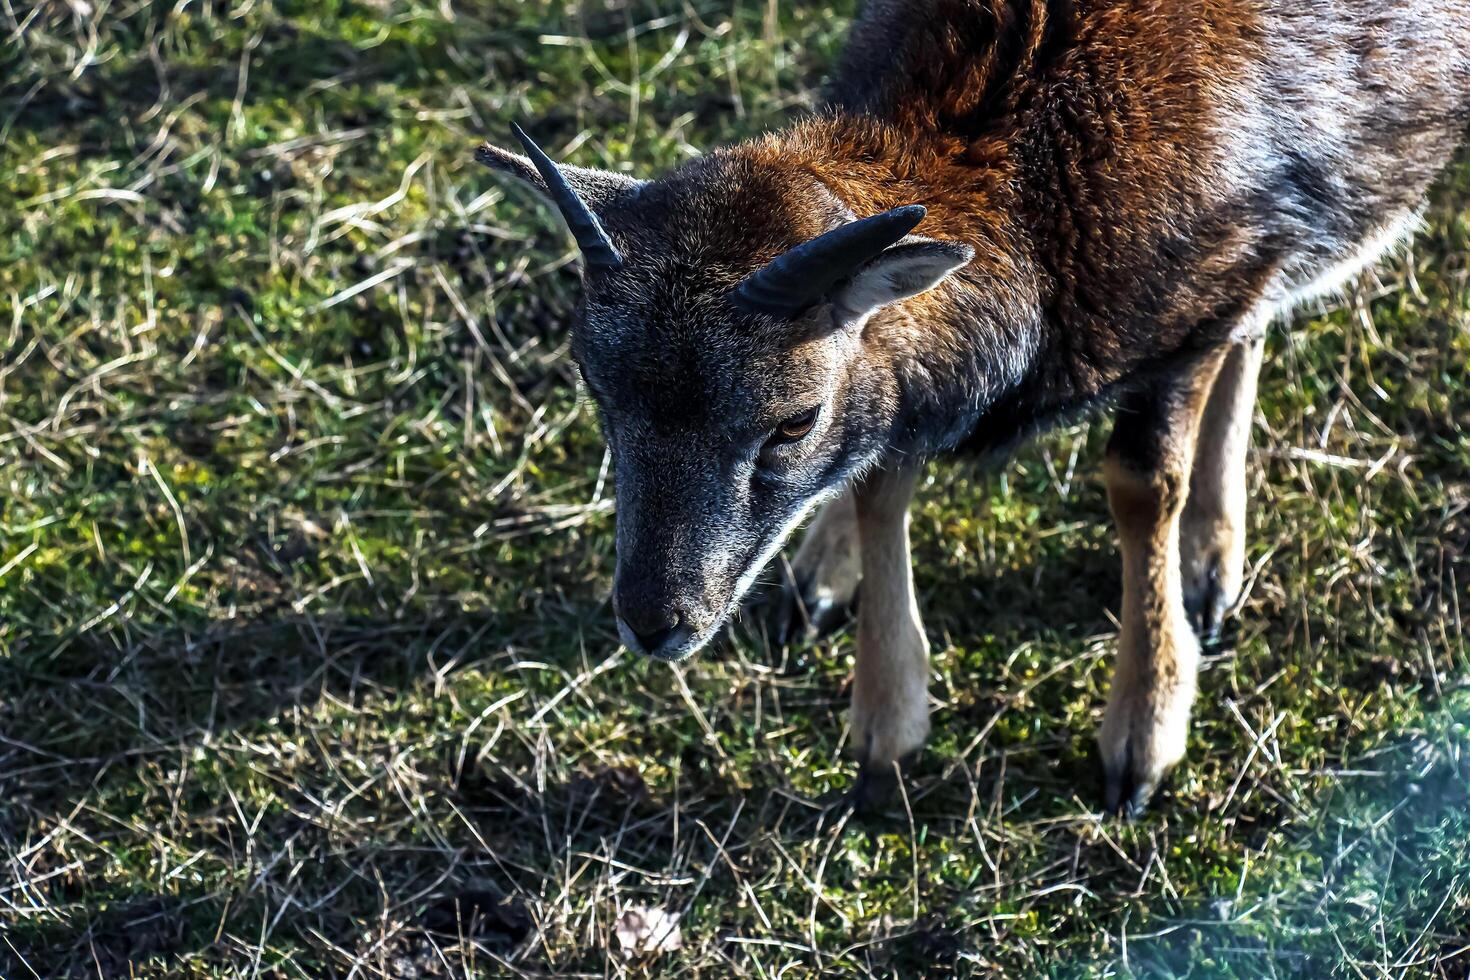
(723, 436)
(727, 423)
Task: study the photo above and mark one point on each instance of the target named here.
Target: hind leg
(1148, 465)
(1212, 529)
(824, 574)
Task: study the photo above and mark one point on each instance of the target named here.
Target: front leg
(1148, 466)
(890, 689)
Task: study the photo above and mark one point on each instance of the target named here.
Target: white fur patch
(1393, 233)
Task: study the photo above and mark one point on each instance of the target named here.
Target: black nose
(658, 634)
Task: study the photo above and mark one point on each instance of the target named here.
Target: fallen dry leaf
(644, 930)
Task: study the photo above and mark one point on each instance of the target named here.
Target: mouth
(679, 647)
(685, 644)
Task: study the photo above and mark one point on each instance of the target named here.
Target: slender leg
(890, 690)
(1212, 530)
(825, 573)
(1148, 465)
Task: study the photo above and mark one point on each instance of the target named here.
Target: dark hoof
(1124, 794)
(1207, 604)
(875, 788)
(798, 614)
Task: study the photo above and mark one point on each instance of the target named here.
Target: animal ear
(915, 265)
(598, 189)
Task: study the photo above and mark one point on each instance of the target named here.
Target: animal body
(1005, 214)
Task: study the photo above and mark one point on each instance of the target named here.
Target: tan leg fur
(1148, 468)
(890, 692)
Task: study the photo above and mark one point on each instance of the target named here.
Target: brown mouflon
(1006, 213)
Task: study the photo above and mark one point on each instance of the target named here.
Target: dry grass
(305, 663)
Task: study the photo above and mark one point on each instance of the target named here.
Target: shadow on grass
(95, 723)
(179, 686)
(112, 941)
(96, 728)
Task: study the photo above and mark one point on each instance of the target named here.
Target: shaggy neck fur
(1135, 177)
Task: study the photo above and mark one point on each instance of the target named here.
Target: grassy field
(306, 663)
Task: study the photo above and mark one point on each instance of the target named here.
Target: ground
(306, 662)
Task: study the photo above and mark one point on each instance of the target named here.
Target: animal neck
(968, 345)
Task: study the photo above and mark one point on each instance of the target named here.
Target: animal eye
(796, 427)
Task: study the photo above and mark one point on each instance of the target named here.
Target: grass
(306, 667)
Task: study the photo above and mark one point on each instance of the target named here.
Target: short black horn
(597, 248)
(801, 276)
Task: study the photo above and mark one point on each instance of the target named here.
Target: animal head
(727, 334)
